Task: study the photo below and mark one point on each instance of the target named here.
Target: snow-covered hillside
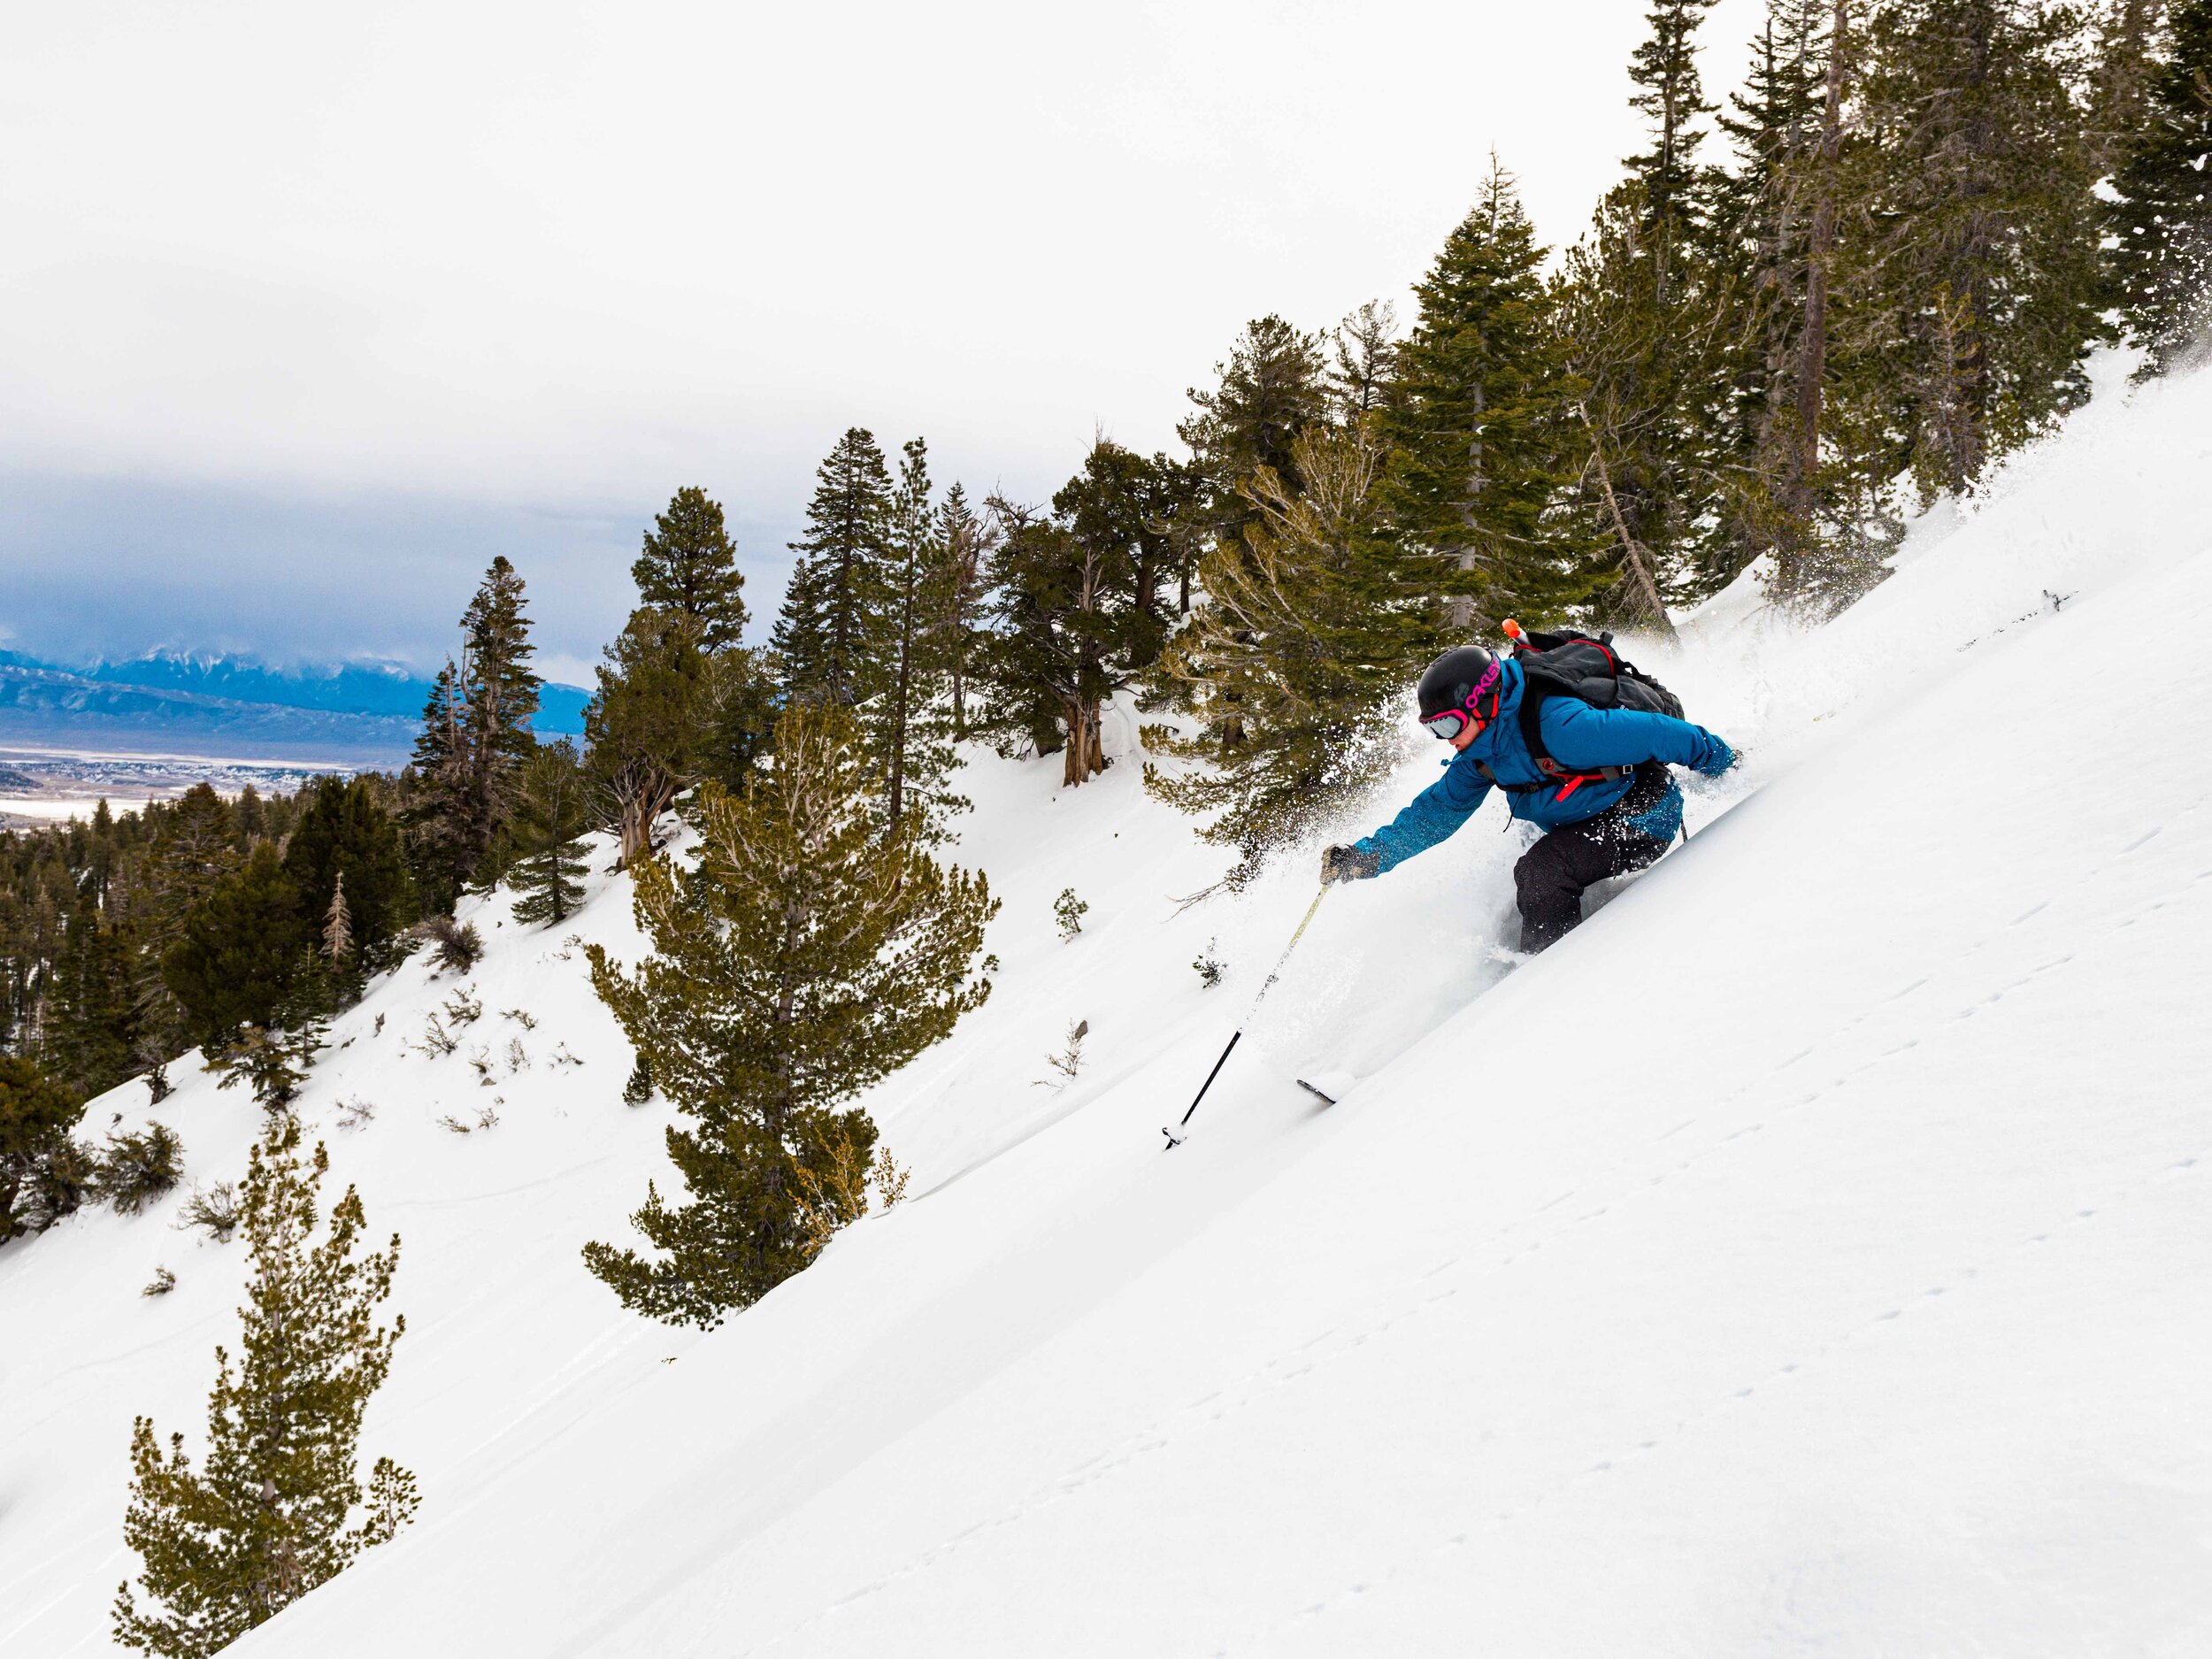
(1813, 1253)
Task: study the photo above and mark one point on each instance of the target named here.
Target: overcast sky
(310, 310)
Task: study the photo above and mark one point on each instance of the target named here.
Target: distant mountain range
(359, 714)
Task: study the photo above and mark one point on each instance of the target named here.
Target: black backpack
(1570, 664)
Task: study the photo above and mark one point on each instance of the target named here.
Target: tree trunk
(1461, 609)
(1083, 755)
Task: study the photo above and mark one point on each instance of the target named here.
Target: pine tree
(955, 595)
(1273, 385)
(500, 695)
(1473, 425)
(238, 950)
(2162, 217)
(228, 1546)
(1984, 272)
(914, 737)
(91, 1033)
(1671, 99)
(436, 813)
(1761, 233)
(1364, 354)
(1313, 631)
(549, 821)
(192, 851)
(1069, 592)
(646, 726)
(689, 564)
(1643, 311)
(830, 632)
(36, 1116)
(345, 836)
(804, 958)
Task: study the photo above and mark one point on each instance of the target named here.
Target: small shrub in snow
(159, 1088)
(833, 1187)
(454, 946)
(561, 1056)
(522, 1016)
(59, 1183)
(481, 1062)
(463, 1008)
(639, 1089)
(1209, 967)
(275, 1062)
(890, 1177)
(136, 1170)
(379, 1030)
(1069, 911)
(486, 1118)
(214, 1211)
(518, 1057)
(356, 1113)
(163, 1282)
(1069, 1061)
(436, 1040)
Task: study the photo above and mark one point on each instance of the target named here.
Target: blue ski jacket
(1577, 736)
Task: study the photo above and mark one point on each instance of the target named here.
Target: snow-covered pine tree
(805, 957)
(278, 1506)
(2163, 219)
(1313, 631)
(689, 564)
(549, 867)
(1473, 423)
(830, 632)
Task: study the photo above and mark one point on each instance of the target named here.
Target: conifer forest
(1802, 314)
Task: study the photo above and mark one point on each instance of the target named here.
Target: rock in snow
(1811, 1254)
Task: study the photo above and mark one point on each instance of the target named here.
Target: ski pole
(1175, 1139)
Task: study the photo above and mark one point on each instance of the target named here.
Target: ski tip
(1328, 1087)
(1173, 1140)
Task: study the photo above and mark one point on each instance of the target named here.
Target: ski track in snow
(1834, 1285)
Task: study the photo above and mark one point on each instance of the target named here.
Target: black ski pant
(1554, 875)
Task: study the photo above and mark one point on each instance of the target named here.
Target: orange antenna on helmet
(1514, 631)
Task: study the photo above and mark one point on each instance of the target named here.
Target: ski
(1325, 1099)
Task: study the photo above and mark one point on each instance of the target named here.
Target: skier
(1594, 779)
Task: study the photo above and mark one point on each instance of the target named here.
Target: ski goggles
(1449, 723)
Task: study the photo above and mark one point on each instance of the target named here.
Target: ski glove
(1349, 864)
(1720, 758)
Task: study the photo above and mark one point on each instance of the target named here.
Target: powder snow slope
(1813, 1253)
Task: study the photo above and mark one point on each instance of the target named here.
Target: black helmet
(1456, 679)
